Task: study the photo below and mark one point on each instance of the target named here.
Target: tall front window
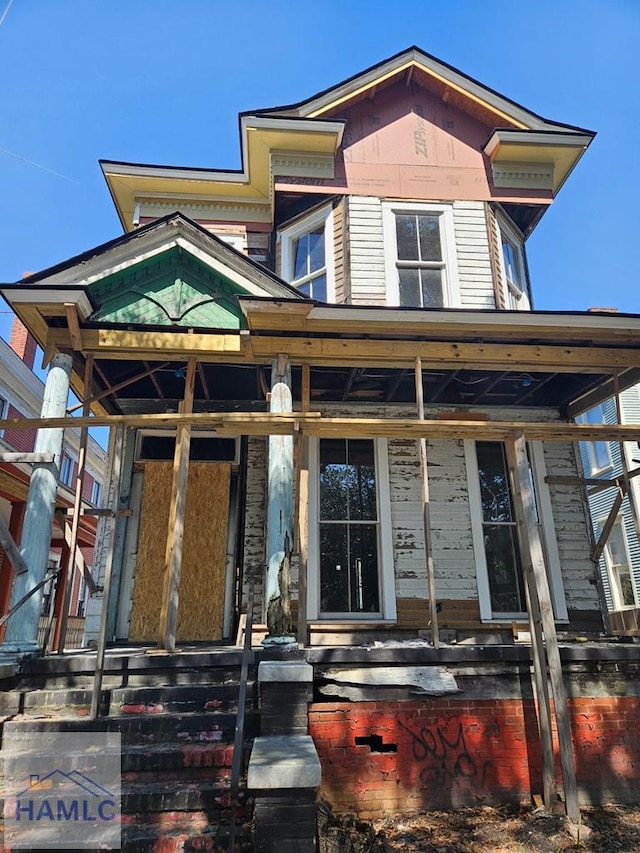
(307, 254)
(499, 531)
(348, 527)
(513, 268)
(419, 253)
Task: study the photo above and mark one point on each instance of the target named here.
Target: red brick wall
(19, 439)
(451, 752)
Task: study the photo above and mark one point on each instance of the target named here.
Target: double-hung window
(307, 255)
(420, 255)
(350, 552)
(513, 269)
(66, 469)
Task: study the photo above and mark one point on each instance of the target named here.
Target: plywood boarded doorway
(202, 580)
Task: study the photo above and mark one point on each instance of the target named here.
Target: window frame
(305, 225)
(610, 566)
(4, 409)
(547, 533)
(516, 299)
(96, 492)
(386, 572)
(66, 458)
(450, 283)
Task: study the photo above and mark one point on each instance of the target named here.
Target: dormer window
(514, 275)
(307, 256)
(420, 255)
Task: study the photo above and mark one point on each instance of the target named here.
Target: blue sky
(158, 81)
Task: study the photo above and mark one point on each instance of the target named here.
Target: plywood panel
(202, 581)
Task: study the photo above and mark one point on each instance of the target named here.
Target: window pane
(362, 480)
(503, 566)
(407, 237)
(301, 253)
(625, 586)
(334, 478)
(429, 231)
(511, 265)
(431, 288)
(334, 569)
(364, 568)
(305, 288)
(494, 483)
(409, 286)
(616, 547)
(316, 250)
(319, 288)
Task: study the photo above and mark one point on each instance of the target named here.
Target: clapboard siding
(366, 251)
(339, 253)
(475, 277)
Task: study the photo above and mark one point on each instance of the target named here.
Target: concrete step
(178, 698)
(143, 727)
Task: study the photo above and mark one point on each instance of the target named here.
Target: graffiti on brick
(447, 757)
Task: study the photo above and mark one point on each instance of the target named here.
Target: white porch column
(279, 508)
(22, 628)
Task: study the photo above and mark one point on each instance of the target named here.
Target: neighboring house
(620, 560)
(21, 394)
(378, 221)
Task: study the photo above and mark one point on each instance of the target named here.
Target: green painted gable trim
(173, 288)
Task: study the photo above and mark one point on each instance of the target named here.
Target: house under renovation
(326, 383)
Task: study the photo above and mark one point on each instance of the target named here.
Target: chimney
(23, 343)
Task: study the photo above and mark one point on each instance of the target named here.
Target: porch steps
(177, 728)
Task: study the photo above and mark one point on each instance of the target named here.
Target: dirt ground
(614, 829)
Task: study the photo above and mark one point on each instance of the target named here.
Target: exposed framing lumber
(118, 454)
(29, 458)
(302, 529)
(608, 525)
(175, 535)
(286, 423)
(112, 389)
(11, 549)
(531, 545)
(67, 577)
(394, 385)
(426, 514)
(73, 324)
(63, 523)
(626, 474)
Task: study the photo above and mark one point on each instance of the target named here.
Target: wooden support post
(116, 478)
(531, 545)
(303, 538)
(280, 513)
(426, 515)
(11, 549)
(538, 653)
(63, 580)
(22, 630)
(175, 535)
(69, 565)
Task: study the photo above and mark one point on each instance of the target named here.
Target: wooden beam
(608, 525)
(531, 544)
(153, 346)
(175, 537)
(448, 355)
(61, 628)
(73, 323)
(286, 423)
(26, 457)
(63, 523)
(11, 549)
(426, 513)
(305, 393)
(111, 389)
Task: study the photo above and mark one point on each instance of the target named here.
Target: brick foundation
(382, 757)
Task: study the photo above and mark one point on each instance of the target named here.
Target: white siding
(474, 261)
(366, 251)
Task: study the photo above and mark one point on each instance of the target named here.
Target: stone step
(175, 832)
(178, 698)
(211, 795)
(144, 727)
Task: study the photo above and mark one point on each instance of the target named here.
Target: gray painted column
(22, 628)
(279, 508)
